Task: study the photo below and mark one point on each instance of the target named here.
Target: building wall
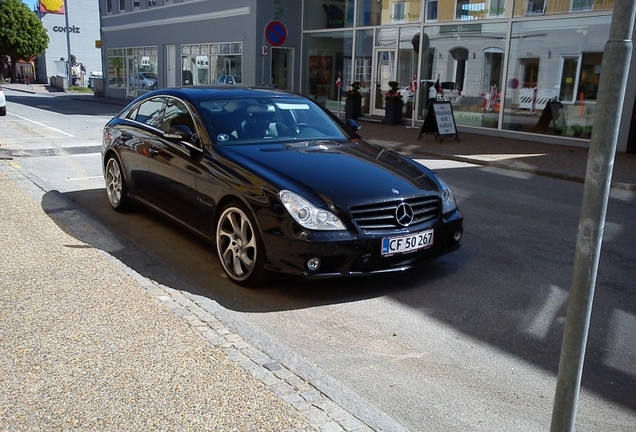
(83, 23)
(204, 23)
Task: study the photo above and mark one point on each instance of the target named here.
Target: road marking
(541, 323)
(43, 125)
(84, 178)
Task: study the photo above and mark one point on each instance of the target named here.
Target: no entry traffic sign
(275, 33)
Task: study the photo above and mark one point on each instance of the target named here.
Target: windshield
(268, 119)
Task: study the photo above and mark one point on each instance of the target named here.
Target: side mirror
(353, 124)
(182, 132)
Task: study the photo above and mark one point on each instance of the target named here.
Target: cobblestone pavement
(89, 344)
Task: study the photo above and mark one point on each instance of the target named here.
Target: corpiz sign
(60, 29)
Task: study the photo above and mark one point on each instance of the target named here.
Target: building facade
(501, 62)
(80, 21)
(200, 42)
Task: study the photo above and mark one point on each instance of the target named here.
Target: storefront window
(324, 14)
(116, 73)
(469, 10)
(327, 56)
(552, 7)
(132, 68)
(363, 66)
(431, 10)
(408, 60)
(212, 64)
(467, 62)
(546, 65)
(369, 12)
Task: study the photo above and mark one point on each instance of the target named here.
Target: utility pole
(69, 69)
(613, 81)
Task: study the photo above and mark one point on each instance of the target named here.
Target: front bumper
(344, 254)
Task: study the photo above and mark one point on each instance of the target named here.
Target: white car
(93, 76)
(3, 103)
(449, 90)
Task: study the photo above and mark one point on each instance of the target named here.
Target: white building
(82, 30)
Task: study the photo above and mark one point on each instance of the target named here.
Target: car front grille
(379, 216)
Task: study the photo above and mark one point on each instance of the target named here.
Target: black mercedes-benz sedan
(277, 182)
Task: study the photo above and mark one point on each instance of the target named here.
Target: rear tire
(116, 187)
(3, 111)
(239, 246)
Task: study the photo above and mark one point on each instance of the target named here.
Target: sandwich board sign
(439, 121)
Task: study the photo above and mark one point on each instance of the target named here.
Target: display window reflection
(216, 63)
(552, 86)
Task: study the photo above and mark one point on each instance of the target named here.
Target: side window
(149, 112)
(176, 113)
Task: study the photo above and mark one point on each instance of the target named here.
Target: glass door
(384, 63)
(569, 78)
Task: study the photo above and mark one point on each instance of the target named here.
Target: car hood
(346, 172)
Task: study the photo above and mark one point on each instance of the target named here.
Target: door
(131, 71)
(282, 61)
(171, 165)
(171, 66)
(385, 67)
(493, 70)
(569, 78)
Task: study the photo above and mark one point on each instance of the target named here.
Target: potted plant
(587, 130)
(353, 103)
(577, 129)
(394, 102)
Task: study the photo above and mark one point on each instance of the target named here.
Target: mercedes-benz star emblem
(404, 214)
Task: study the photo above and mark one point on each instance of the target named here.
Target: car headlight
(448, 197)
(308, 215)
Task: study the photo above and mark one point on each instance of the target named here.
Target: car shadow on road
(172, 256)
(487, 310)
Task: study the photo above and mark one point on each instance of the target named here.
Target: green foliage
(79, 89)
(22, 34)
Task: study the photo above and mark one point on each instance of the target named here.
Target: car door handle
(153, 151)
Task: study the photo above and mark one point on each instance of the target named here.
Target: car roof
(220, 92)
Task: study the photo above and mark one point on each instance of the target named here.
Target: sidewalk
(559, 161)
(87, 344)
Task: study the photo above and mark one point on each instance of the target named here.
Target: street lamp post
(69, 68)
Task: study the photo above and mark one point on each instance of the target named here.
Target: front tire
(239, 246)
(116, 187)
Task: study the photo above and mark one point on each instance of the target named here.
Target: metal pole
(613, 81)
(69, 69)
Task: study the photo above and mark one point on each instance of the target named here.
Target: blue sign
(275, 33)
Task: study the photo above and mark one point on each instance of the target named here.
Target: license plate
(407, 243)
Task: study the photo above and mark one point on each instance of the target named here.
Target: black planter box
(393, 113)
(353, 108)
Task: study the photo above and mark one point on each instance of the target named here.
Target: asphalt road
(469, 342)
